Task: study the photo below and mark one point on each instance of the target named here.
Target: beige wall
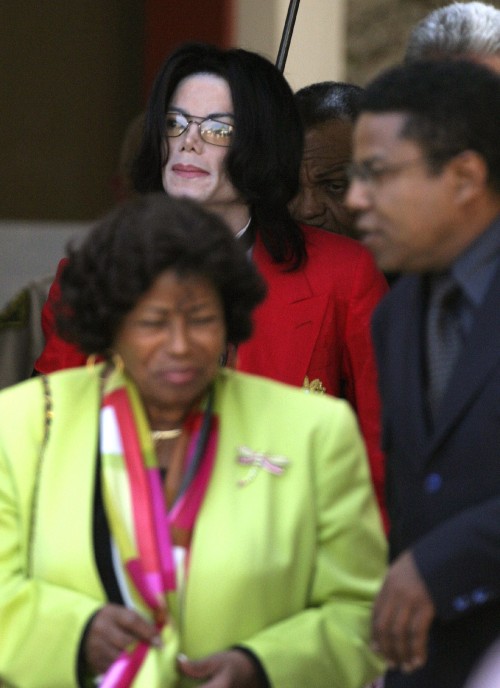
(317, 47)
(333, 39)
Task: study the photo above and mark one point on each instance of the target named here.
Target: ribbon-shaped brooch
(257, 461)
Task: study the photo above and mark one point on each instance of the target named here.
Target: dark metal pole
(287, 34)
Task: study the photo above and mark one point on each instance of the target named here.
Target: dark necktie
(444, 336)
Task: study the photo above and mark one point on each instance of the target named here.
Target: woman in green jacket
(165, 521)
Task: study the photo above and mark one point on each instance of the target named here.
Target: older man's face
(323, 178)
(407, 215)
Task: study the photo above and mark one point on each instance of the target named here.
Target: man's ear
(470, 175)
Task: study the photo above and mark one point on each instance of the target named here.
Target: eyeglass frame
(369, 173)
(191, 119)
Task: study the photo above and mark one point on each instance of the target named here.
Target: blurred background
(75, 73)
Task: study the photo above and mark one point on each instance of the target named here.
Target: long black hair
(263, 162)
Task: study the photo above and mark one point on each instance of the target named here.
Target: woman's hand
(111, 630)
(231, 669)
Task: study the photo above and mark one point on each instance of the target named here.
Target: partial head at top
(468, 30)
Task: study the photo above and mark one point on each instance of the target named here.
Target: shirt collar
(475, 267)
(243, 229)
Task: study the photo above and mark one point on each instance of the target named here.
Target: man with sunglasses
(425, 185)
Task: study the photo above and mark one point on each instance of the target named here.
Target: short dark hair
(130, 247)
(461, 29)
(263, 162)
(328, 100)
(450, 106)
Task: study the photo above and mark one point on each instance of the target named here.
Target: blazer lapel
(407, 362)
(286, 324)
(480, 354)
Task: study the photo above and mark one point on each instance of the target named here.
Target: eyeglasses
(372, 172)
(211, 130)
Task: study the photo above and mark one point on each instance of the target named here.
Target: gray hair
(459, 29)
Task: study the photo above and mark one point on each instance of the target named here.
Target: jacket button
(460, 604)
(480, 596)
(433, 483)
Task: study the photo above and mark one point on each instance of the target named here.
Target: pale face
(323, 178)
(409, 218)
(171, 343)
(194, 168)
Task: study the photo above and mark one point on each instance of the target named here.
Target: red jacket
(314, 323)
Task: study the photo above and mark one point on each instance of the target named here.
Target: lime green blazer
(286, 564)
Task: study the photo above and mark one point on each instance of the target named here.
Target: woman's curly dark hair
(130, 247)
